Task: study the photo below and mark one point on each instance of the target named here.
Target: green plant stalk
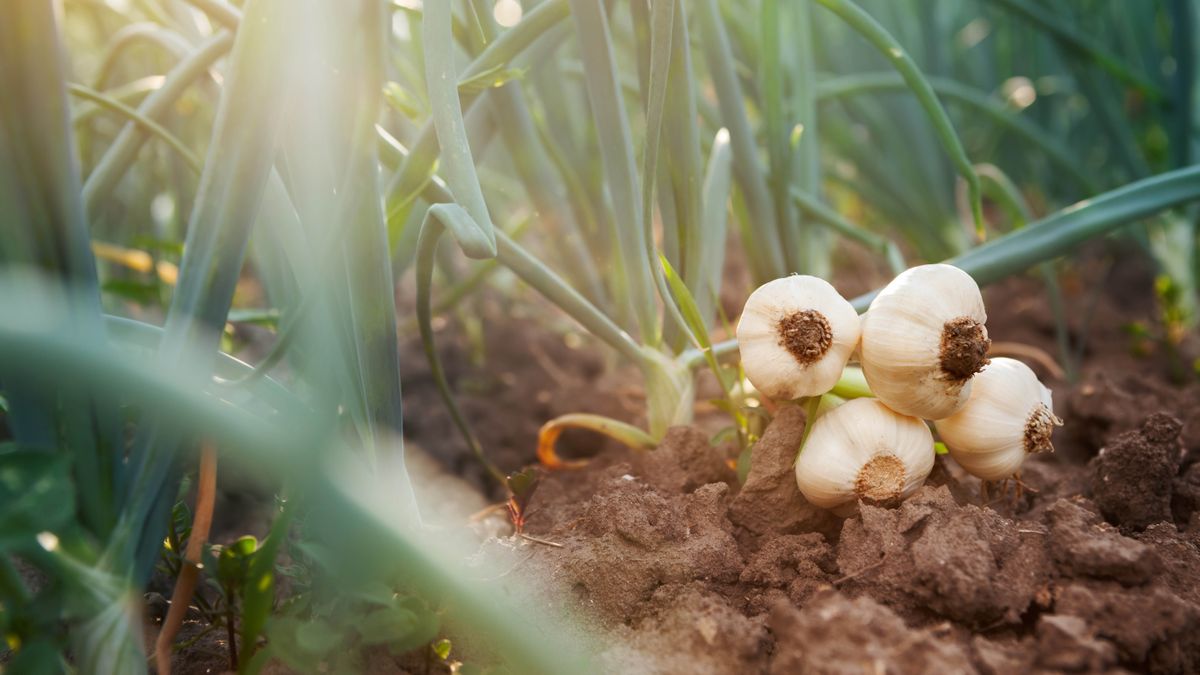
(120, 156)
(815, 250)
(684, 162)
(1063, 231)
(662, 28)
(130, 91)
(44, 230)
(338, 242)
(780, 151)
(824, 214)
(544, 280)
(1049, 237)
(529, 158)
(530, 270)
(446, 111)
(474, 242)
(222, 12)
(72, 359)
(43, 227)
(679, 163)
(616, 150)
(706, 246)
(231, 188)
(450, 299)
(887, 45)
(765, 249)
(132, 115)
(403, 219)
(670, 391)
(852, 384)
(144, 336)
(414, 172)
(1081, 45)
(168, 40)
(1063, 158)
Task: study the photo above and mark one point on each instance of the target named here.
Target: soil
(1093, 565)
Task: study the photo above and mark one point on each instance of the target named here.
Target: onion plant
(812, 97)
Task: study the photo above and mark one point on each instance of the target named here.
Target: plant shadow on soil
(1094, 568)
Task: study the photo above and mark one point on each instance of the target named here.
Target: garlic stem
(852, 384)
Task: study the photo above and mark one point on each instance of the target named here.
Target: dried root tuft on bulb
(964, 348)
(806, 335)
(1039, 428)
(864, 451)
(795, 336)
(881, 481)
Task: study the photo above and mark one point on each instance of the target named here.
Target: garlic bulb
(795, 336)
(923, 339)
(864, 450)
(1009, 415)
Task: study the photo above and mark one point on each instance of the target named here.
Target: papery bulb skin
(864, 450)
(924, 339)
(1009, 416)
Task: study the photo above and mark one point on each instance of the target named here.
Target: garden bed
(1093, 567)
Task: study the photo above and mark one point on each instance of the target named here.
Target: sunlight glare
(1019, 92)
(507, 12)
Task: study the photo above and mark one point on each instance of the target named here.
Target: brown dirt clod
(806, 335)
(837, 635)
(1154, 630)
(932, 557)
(964, 348)
(1132, 477)
(1082, 545)
(769, 501)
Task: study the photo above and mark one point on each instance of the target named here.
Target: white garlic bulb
(864, 450)
(1010, 414)
(923, 339)
(795, 336)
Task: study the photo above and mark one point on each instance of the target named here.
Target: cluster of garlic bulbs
(923, 351)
